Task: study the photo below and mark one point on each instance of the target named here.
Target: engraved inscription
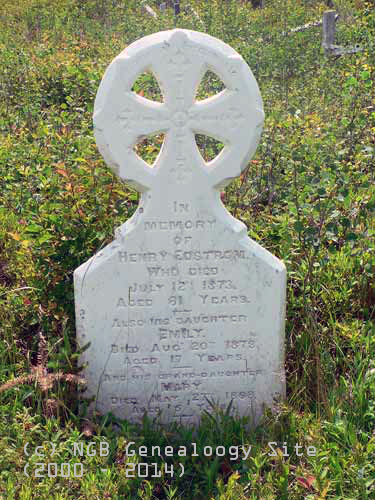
(179, 225)
(123, 302)
(224, 299)
(185, 255)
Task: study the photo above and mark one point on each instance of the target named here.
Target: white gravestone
(182, 307)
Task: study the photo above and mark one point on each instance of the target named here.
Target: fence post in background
(329, 30)
(176, 7)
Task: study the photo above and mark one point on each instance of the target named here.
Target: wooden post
(329, 29)
(176, 7)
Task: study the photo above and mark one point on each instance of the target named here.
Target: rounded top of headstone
(178, 59)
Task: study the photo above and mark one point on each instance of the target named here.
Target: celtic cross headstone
(182, 308)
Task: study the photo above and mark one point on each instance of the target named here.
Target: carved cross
(178, 59)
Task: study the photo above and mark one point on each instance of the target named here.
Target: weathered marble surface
(182, 306)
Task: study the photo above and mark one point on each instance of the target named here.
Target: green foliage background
(308, 196)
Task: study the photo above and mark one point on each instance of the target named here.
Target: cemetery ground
(308, 196)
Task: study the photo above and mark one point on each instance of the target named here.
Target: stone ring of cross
(178, 59)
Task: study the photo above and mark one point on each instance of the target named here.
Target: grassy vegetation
(308, 196)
